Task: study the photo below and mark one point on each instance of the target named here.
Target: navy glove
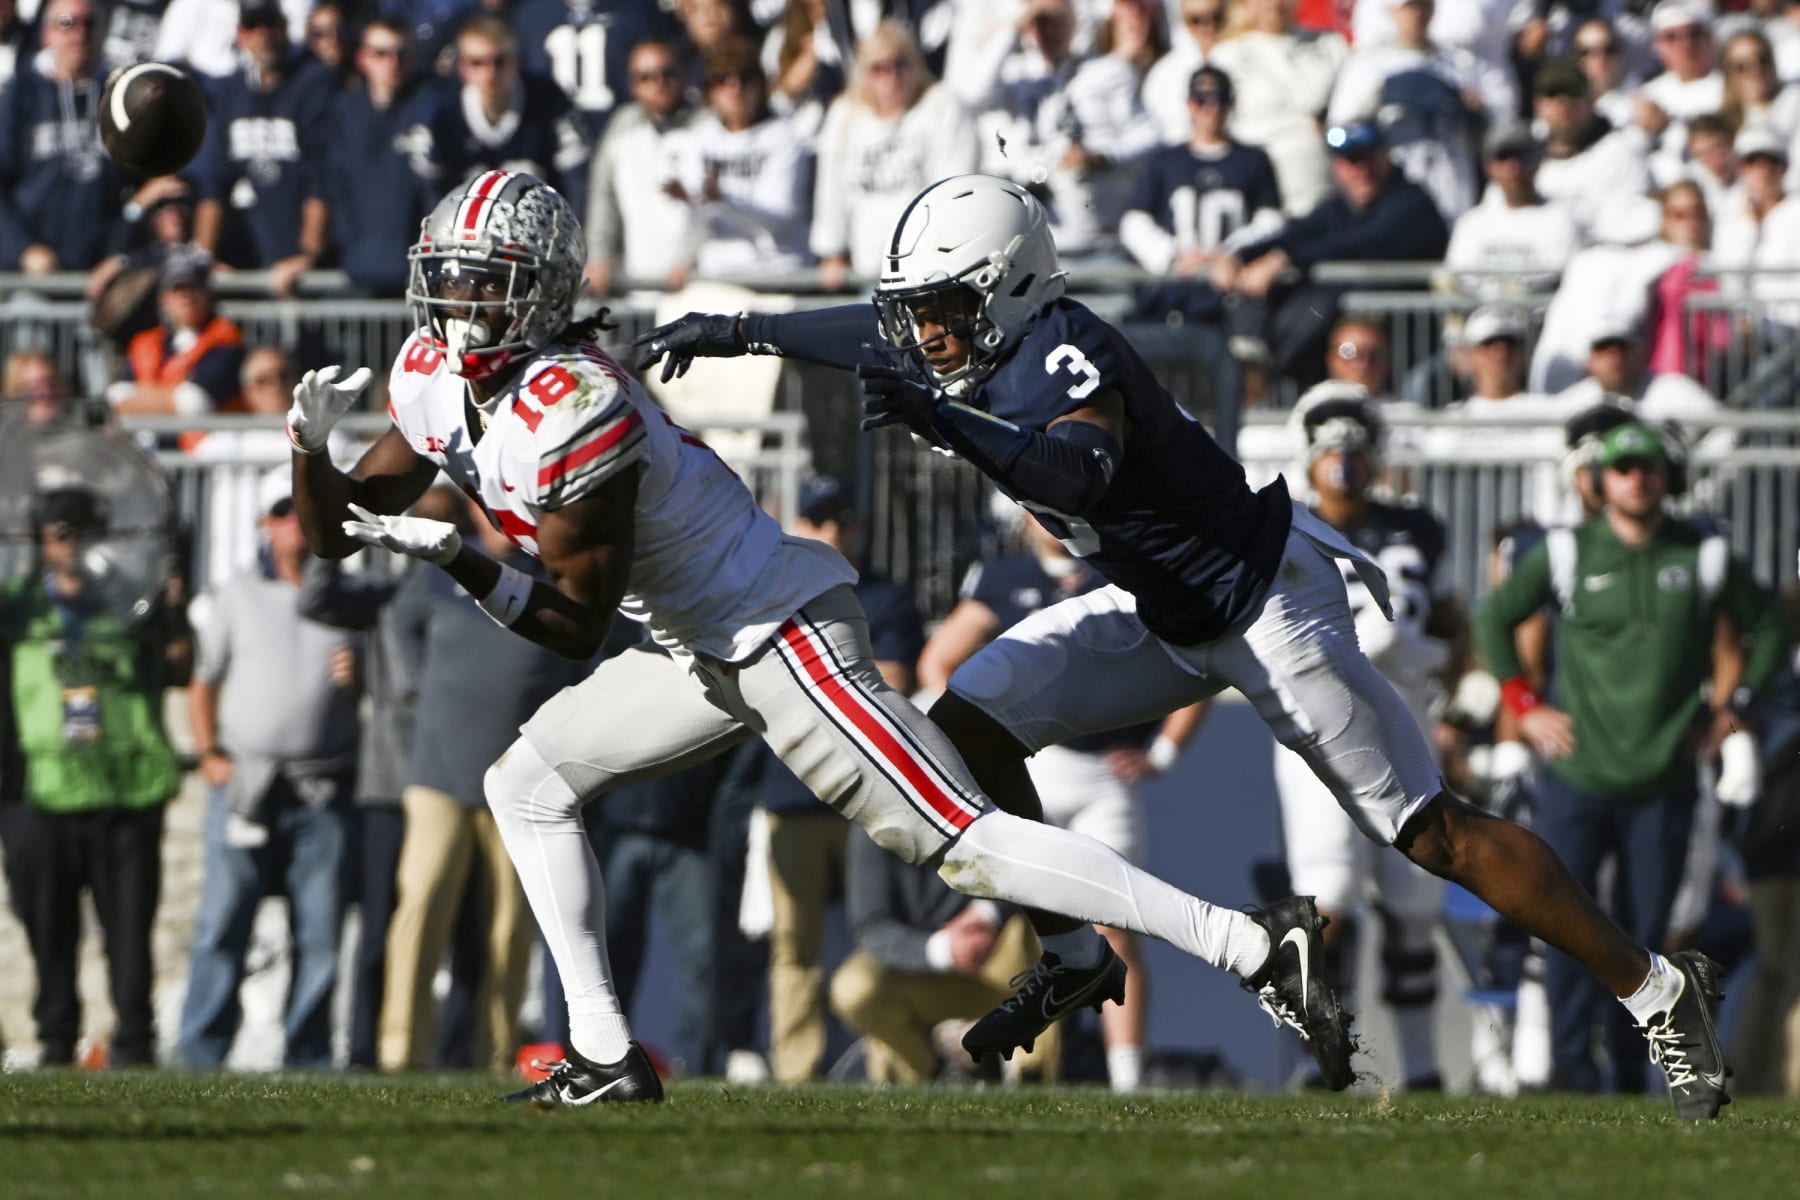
(895, 396)
(696, 335)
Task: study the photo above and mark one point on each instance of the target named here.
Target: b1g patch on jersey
(578, 407)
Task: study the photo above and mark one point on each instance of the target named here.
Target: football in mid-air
(152, 118)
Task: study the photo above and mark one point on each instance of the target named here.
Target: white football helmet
(496, 271)
(975, 232)
(1335, 416)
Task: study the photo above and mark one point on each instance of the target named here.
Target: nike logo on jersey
(1296, 937)
(569, 1097)
(1595, 583)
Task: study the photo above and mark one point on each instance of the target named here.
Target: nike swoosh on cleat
(569, 1098)
(1297, 936)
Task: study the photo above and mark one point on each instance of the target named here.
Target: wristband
(506, 602)
(1162, 754)
(1518, 697)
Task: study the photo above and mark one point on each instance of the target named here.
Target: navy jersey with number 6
(1178, 528)
(1407, 542)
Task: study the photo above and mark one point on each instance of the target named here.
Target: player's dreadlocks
(590, 327)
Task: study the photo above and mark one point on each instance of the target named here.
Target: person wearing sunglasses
(60, 193)
(505, 116)
(635, 228)
(1689, 85)
(1196, 32)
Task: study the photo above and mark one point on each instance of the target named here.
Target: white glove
(1740, 770)
(434, 541)
(319, 403)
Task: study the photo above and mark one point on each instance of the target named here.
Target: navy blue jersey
(265, 152)
(1407, 542)
(1015, 586)
(584, 46)
(1202, 199)
(1178, 528)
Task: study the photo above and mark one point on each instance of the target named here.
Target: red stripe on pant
(889, 749)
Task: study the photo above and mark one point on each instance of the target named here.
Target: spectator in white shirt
(1758, 225)
(1067, 125)
(1199, 24)
(894, 130)
(1499, 417)
(634, 226)
(1432, 102)
(747, 172)
(1617, 366)
(1514, 240)
(1587, 163)
(1689, 86)
(1478, 26)
(1711, 163)
(1282, 74)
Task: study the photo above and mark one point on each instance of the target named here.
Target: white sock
(1080, 947)
(1125, 1067)
(1657, 993)
(539, 817)
(1413, 1025)
(1003, 857)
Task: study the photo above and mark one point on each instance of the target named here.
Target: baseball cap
(1634, 439)
(184, 268)
(1612, 328)
(1560, 78)
(1210, 82)
(1760, 139)
(1492, 321)
(826, 498)
(1354, 137)
(276, 485)
(1676, 14)
(1511, 139)
(260, 14)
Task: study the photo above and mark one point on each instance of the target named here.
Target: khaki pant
(444, 841)
(898, 1009)
(806, 871)
(1766, 1048)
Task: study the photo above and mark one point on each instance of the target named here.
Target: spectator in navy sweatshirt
(502, 117)
(380, 178)
(60, 194)
(1374, 213)
(261, 169)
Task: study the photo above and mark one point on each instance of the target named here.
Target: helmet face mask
(976, 250)
(1337, 418)
(495, 272)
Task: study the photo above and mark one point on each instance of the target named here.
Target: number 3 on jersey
(1078, 364)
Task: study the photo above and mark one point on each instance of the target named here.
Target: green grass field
(144, 1136)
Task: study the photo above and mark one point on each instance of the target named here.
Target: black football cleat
(1294, 987)
(1684, 1041)
(576, 1081)
(1046, 993)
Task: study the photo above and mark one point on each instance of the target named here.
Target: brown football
(152, 118)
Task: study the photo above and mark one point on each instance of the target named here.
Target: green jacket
(86, 707)
(1632, 644)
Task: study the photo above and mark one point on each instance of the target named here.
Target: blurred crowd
(1582, 169)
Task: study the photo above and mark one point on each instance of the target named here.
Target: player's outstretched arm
(587, 546)
(833, 337)
(389, 478)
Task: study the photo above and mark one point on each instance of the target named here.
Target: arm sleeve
(1525, 591)
(212, 638)
(606, 233)
(582, 446)
(833, 337)
(831, 201)
(878, 920)
(1067, 468)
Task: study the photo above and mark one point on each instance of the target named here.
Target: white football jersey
(712, 573)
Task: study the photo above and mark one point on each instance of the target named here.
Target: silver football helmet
(1335, 417)
(976, 245)
(496, 271)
